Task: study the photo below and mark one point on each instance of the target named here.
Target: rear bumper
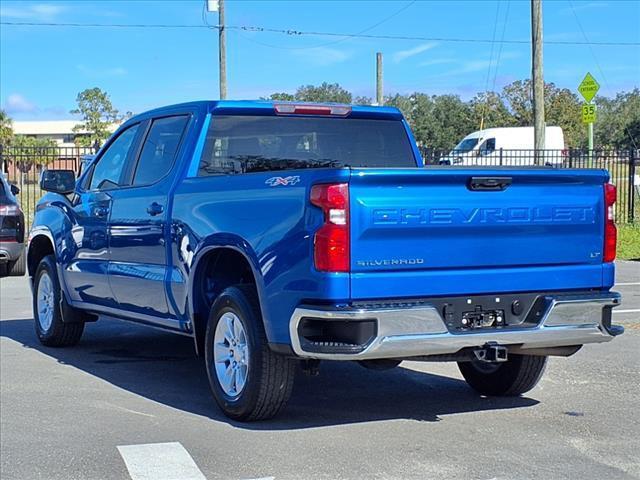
(10, 251)
(419, 330)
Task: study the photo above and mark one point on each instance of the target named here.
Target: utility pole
(222, 51)
(379, 92)
(538, 80)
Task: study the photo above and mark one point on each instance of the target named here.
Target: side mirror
(58, 181)
(14, 189)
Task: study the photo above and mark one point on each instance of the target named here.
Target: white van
(506, 146)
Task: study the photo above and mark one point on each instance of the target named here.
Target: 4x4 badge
(285, 181)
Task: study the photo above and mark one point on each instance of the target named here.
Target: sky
(42, 69)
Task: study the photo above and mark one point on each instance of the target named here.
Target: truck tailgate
(447, 231)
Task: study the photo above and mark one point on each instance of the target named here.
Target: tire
(268, 376)
(514, 377)
(47, 309)
(18, 267)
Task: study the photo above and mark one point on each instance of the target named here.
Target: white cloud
(32, 11)
(101, 72)
(404, 54)
(584, 6)
(322, 56)
(436, 61)
(479, 65)
(17, 103)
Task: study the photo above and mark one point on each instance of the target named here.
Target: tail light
(610, 231)
(311, 109)
(6, 210)
(331, 242)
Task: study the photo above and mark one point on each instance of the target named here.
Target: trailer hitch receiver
(492, 353)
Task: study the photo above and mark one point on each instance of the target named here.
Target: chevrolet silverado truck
(277, 235)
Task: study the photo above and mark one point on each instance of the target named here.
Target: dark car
(12, 261)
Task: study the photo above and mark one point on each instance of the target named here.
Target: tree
(282, 96)
(452, 121)
(562, 108)
(98, 114)
(362, 100)
(327, 92)
(438, 121)
(489, 110)
(618, 121)
(6, 128)
(25, 152)
(28, 151)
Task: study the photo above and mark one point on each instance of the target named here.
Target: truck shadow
(163, 367)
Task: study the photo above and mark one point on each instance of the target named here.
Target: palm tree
(6, 130)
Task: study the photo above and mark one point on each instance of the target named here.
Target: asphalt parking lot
(128, 400)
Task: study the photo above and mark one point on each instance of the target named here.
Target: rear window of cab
(245, 144)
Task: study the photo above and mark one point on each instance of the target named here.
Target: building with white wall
(60, 131)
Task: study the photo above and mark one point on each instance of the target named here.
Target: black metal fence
(623, 167)
(23, 166)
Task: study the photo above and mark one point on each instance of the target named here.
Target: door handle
(155, 209)
(101, 211)
(491, 184)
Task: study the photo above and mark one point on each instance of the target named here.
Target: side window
(159, 150)
(108, 170)
(488, 146)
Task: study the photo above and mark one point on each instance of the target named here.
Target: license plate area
(483, 319)
(493, 312)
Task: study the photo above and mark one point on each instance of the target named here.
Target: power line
(486, 83)
(298, 33)
(386, 19)
(504, 28)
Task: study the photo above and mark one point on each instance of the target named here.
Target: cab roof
(267, 107)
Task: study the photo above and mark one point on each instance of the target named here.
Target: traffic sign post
(588, 113)
(588, 89)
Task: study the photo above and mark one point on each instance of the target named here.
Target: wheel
(514, 377)
(18, 267)
(248, 380)
(47, 309)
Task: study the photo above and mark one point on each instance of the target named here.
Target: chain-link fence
(23, 165)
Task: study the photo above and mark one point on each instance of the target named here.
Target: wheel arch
(216, 266)
(41, 244)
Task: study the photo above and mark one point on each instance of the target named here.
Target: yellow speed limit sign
(588, 113)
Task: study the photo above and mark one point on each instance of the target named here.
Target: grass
(629, 242)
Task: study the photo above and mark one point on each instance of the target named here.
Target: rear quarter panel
(272, 226)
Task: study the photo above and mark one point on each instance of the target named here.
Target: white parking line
(624, 284)
(634, 310)
(160, 461)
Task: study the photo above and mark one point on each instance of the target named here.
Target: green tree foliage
(618, 123)
(282, 96)
(327, 92)
(489, 110)
(6, 128)
(98, 113)
(28, 151)
(362, 100)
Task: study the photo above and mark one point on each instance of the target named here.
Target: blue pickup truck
(277, 235)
